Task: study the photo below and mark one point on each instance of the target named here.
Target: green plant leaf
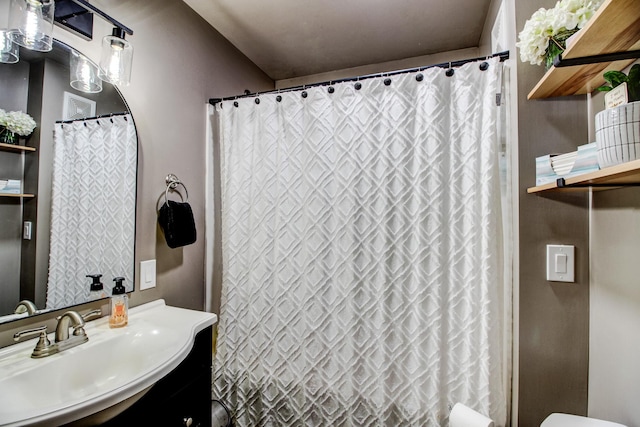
(604, 88)
(615, 78)
(633, 83)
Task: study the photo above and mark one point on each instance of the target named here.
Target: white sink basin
(114, 365)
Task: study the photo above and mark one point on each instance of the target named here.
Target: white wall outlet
(560, 263)
(147, 274)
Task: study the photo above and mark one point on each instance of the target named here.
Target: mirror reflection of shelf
(11, 147)
(21, 195)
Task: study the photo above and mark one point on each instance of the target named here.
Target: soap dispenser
(119, 316)
(96, 291)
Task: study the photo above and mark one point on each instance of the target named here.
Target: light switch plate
(26, 230)
(560, 263)
(147, 274)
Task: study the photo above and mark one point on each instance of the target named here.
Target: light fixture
(83, 74)
(9, 51)
(31, 26)
(117, 53)
(31, 23)
(116, 58)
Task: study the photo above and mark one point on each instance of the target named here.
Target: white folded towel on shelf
(12, 186)
(463, 416)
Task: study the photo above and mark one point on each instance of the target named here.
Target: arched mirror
(75, 175)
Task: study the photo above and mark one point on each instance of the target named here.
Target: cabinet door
(182, 398)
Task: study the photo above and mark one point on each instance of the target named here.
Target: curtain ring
(450, 71)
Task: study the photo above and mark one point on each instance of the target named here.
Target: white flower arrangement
(17, 122)
(544, 25)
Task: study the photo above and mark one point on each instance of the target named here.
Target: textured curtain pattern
(362, 253)
(92, 207)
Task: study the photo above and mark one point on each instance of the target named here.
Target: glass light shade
(83, 74)
(115, 61)
(9, 51)
(31, 23)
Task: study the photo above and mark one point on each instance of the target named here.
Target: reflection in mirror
(77, 213)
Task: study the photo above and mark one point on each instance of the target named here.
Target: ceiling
(294, 38)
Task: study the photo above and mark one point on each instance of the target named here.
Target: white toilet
(566, 420)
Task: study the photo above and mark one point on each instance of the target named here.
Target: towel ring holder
(172, 182)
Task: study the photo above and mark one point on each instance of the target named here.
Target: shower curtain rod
(247, 94)
(102, 116)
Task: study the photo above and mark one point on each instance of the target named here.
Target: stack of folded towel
(551, 167)
(10, 186)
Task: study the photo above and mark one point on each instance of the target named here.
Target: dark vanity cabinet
(182, 398)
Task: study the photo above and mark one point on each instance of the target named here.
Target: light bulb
(31, 23)
(114, 66)
(32, 18)
(115, 62)
(83, 74)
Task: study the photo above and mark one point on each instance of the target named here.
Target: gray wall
(554, 317)
(179, 63)
(614, 371)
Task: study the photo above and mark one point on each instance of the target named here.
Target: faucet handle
(30, 332)
(43, 344)
(88, 315)
(79, 331)
(92, 314)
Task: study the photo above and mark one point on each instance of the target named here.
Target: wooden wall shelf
(21, 195)
(617, 176)
(614, 28)
(11, 147)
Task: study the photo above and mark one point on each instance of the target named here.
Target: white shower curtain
(362, 243)
(92, 206)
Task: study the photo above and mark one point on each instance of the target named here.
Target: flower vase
(557, 45)
(8, 137)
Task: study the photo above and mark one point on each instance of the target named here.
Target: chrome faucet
(70, 319)
(25, 306)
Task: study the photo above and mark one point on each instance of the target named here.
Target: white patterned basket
(618, 134)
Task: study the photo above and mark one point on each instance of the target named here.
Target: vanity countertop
(113, 366)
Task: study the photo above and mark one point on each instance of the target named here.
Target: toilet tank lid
(566, 420)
